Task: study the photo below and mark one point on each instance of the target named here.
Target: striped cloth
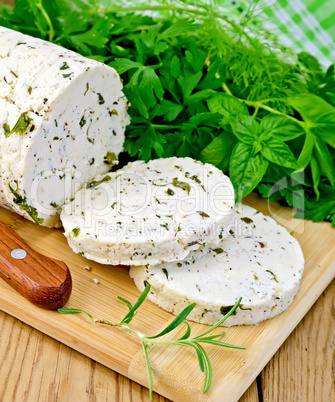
(305, 25)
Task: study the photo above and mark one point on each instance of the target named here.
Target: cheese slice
(146, 213)
(62, 122)
(258, 261)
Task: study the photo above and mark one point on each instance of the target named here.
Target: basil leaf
(310, 106)
(245, 128)
(246, 171)
(226, 105)
(325, 127)
(307, 150)
(281, 127)
(219, 150)
(316, 175)
(278, 152)
(325, 161)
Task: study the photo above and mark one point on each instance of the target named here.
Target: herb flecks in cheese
(139, 216)
(22, 203)
(64, 66)
(266, 277)
(95, 183)
(101, 99)
(76, 231)
(20, 126)
(181, 184)
(110, 158)
(52, 119)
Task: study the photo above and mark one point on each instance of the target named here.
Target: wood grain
(34, 367)
(234, 370)
(303, 370)
(41, 280)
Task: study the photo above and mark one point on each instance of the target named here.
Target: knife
(44, 281)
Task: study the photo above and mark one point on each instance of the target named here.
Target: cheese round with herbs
(62, 122)
(258, 261)
(146, 213)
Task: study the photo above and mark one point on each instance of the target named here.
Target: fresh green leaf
(123, 65)
(188, 83)
(316, 175)
(324, 126)
(278, 152)
(211, 329)
(207, 367)
(324, 158)
(182, 62)
(178, 320)
(307, 150)
(245, 170)
(64, 310)
(126, 302)
(218, 152)
(226, 105)
(245, 128)
(128, 317)
(150, 87)
(218, 343)
(310, 106)
(149, 370)
(281, 127)
(187, 333)
(185, 340)
(178, 28)
(169, 109)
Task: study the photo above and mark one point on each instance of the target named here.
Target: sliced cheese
(258, 261)
(62, 122)
(146, 213)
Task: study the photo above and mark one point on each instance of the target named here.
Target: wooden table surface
(36, 368)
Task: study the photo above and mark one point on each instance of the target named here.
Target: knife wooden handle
(40, 279)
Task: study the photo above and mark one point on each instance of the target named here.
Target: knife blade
(42, 280)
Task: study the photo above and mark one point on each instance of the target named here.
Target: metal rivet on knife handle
(40, 279)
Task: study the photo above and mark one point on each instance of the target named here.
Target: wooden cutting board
(176, 372)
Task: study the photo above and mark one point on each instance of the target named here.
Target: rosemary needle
(185, 340)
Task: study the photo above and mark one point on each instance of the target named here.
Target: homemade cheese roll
(146, 213)
(259, 261)
(62, 122)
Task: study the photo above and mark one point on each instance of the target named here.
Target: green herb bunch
(206, 80)
(195, 342)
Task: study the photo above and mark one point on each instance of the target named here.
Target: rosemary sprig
(185, 340)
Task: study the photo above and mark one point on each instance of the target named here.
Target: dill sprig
(193, 70)
(195, 342)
